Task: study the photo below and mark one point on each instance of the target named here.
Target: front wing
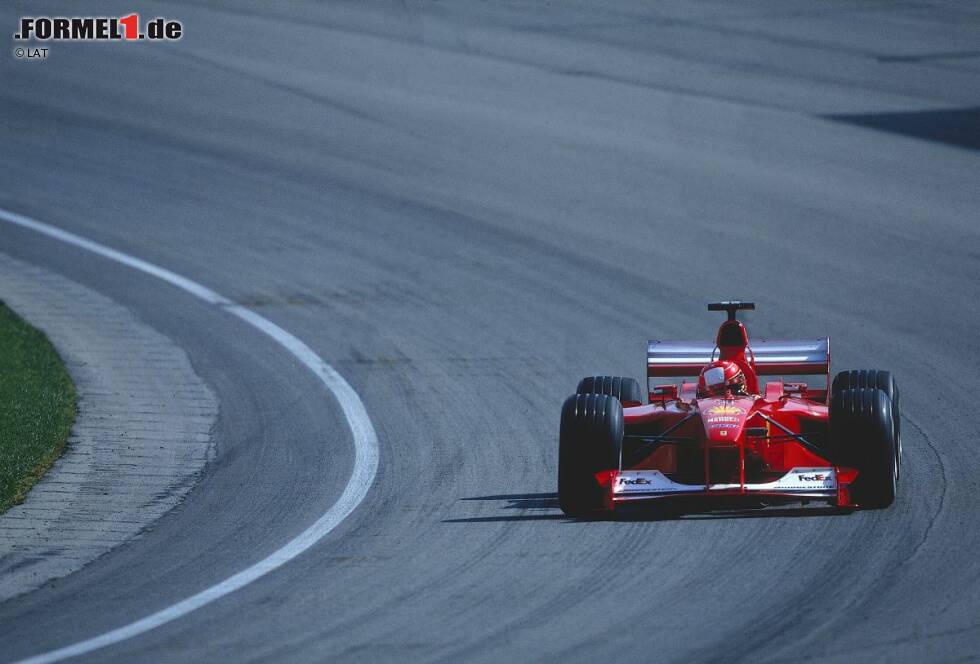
(824, 484)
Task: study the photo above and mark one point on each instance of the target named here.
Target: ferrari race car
(713, 434)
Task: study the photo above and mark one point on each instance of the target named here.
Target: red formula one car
(720, 437)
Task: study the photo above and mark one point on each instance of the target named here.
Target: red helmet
(721, 376)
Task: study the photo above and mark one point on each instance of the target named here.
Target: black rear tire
(590, 440)
(878, 378)
(862, 433)
(627, 390)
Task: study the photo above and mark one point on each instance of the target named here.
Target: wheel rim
(899, 443)
(894, 471)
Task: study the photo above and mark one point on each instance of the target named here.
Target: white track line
(365, 446)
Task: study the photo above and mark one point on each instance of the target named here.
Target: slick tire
(589, 441)
(883, 380)
(863, 436)
(627, 390)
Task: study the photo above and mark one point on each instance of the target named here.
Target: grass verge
(37, 406)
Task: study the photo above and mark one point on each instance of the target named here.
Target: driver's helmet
(719, 377)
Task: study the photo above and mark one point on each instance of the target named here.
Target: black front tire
(590, 440)
(863, 435)
(627, 390)
(882, 380)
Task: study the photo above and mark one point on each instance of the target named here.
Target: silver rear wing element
(773, 357)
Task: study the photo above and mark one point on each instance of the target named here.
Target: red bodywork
(766, 446)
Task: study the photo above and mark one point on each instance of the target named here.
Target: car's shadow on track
(549, 502)
(519, 501)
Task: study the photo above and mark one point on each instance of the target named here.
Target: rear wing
(773, 357)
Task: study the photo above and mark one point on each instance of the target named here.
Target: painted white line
(365, 446)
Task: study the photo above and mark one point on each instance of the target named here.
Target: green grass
(37, 407)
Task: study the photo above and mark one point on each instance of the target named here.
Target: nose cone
(724, 419)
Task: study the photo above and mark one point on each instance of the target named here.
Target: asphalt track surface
(465, 207)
